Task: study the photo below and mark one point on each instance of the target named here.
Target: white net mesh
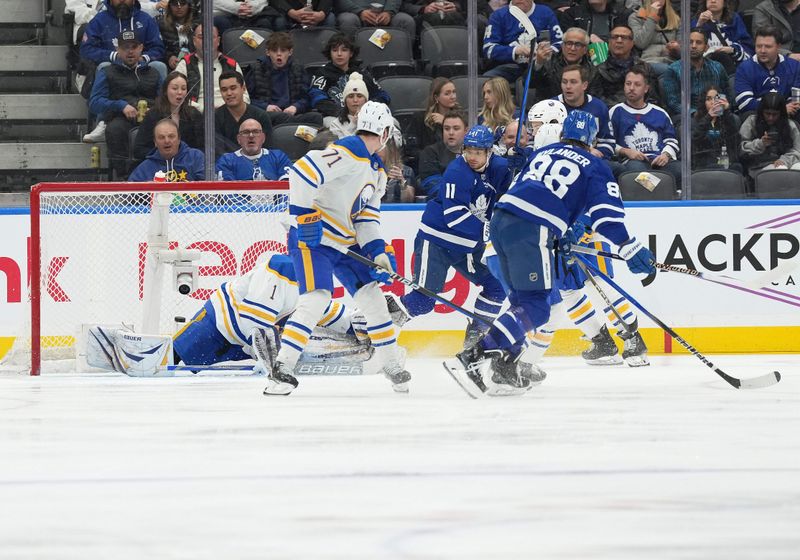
(93, 248)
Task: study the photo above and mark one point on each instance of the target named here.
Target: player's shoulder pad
(282, 266)
(354, 147)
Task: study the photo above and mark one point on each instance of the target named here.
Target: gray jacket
(649, 39)
(768, 13)
(754, 148)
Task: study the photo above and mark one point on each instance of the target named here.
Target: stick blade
(456, 371)
(761, 381)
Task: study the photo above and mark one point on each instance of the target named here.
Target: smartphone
(543, 35)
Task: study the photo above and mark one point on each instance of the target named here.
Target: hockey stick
(756, 283)
(522, 18)
(765, 380)
(628, 328)
(414, 286)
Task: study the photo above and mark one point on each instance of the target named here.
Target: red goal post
(91, 252)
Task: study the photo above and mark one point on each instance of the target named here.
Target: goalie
(240, 321)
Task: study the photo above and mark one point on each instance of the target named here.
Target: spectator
(82, 12)
(99, 42)
(729, 43)
(574, 83)
(299, 14)
(228, 119)
(172, 161)
(714, 127)
(355, 95)
(705, 73)
(118, 93)
(770, 139)
(176, 30)
(506, 146)
(442, 98)
(785, 17)
(401, 183)
(767, 71)
(434, 159)
(327, 83)
(656, 29)
(507, 45)
(609, 79)
(597, 17)
(280, 86)
(498, 104)
(158, 8)
(191, 66)
(432, 13)
(354, 14)
(170, 105)
(248, 13)
(549, 65)
(644, 135)
(253, 162)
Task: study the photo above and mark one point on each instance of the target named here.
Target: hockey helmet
(580, 126)
(548, 133)
(548, 111)
(374, 117)
(479, 136)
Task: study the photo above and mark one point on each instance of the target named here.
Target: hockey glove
(309, 228)
(386, 260)
(640, 258)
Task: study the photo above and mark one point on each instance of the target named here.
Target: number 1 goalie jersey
(345, 183)
(559, 183)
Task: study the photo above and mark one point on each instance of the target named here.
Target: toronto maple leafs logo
(643, 139)
(479, 207)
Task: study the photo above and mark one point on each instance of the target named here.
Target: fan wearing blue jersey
(252, 162)
(451, 233)
(560, 182)
(643, 133)
(574, 83)
(334, 204)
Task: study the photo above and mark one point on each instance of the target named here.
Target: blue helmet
(479, 136)
(580, 126)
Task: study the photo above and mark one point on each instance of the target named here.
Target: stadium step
(65, 117)
(23, 21)
(50, 156)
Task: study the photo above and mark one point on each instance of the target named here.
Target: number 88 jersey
(559, 183)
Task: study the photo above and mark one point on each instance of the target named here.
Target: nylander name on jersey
(454, 219)
(561, 182)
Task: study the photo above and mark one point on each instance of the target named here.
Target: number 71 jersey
(559, 183)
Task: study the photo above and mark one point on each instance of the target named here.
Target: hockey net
(90, 262)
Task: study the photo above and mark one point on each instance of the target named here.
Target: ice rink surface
(597, 463)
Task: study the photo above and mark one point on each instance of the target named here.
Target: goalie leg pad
(143, 355)
(100, 349)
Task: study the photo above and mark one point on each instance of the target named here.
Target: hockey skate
(532, 372)
(506, 379)
(280, 381)
(395, 371)
(397, 310)
(475, 331)
(603, 351)
(467, 370)
(634, 351)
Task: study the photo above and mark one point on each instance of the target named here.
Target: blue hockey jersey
(561, 182)
(753, 80)
(594, 106)
(454, 219)
(733, 34)
(271, 165)
(648, 130)
(504, 32)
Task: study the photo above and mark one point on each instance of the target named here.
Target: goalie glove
(640, 259)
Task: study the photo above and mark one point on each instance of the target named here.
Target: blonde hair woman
(498, 106)
(441, 99)
(655, 32)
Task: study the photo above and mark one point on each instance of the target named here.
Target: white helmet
(375, 117)
(548, 133)
(548, 111)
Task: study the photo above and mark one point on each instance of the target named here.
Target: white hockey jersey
(345, 183)
(265, 297)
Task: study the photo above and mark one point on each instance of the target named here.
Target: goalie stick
(765, 380)
(414, 286)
